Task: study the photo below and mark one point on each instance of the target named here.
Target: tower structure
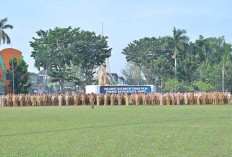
(105, 77)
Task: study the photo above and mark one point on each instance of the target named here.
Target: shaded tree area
(178, 64)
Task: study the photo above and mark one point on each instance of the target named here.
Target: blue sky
(124, 20)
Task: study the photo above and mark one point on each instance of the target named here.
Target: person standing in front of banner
(92, 100)
(127, 98)
(112, 99)
(119, 97)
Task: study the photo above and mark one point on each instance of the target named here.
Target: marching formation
(115, 99)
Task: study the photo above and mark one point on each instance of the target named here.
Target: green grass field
(116, 131)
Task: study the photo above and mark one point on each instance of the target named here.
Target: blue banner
(124, 89)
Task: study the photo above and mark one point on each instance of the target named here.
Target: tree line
(174, 63)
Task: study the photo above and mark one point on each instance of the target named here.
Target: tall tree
(89, 51)
(55, 45)
(41, 53)
(60, 49)
(179, 39)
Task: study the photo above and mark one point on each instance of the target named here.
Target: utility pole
(223, 77)
(175, 68)
(13, 74)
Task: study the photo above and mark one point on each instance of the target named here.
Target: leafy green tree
(188, 64)
(89, 51)
(203, 86)
(21, 84)
(145, 52)
(4, 38)
(163, 69)
(60, 49)
(212, 75)
(41, 53)
(52, 50)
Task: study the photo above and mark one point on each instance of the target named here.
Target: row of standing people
(115, 99)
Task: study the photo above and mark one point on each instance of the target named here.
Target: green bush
(203, 86)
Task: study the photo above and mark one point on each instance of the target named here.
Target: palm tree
(179, 39)
(4, 38)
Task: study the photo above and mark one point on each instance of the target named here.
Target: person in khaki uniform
(8, 100)
(75, 99)
(215, 98)
(26, 100)
(15, 100)
(127, 99)
(177, 95)
(144, 98)
(3, 100)
(167, 98)
(221, 98)
(60, 99)
(191, 98)
(152, 98)
(20, 97)
(119, 99)
(38, 100)
(131, 100)
(198, 98)
(173, 99)
(83, 99)
(53, 100)
(33, 100)
(98, 99)
(92, 100)
(44, 98)
(11, 99)
(185, 98)
(203, 98)
(137, 99)
(49, 96)
(78, 99)
(106, 98)
(161, 97)
(112, 99)
(67, 99)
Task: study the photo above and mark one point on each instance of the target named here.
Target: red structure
(5, 56)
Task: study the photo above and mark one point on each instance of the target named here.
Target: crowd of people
(115, 99)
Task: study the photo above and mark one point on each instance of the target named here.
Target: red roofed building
(5, 56)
